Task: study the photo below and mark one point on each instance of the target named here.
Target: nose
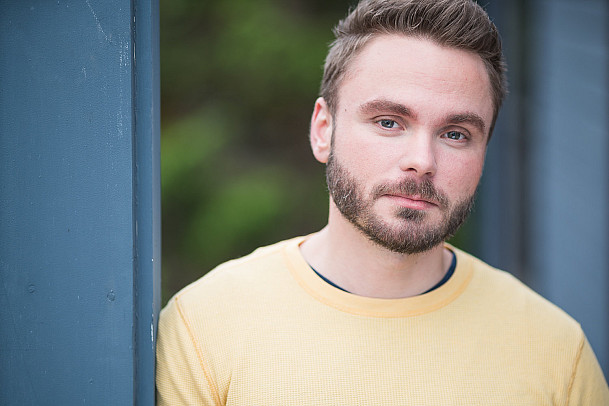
(419, 156)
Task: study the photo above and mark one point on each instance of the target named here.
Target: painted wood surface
(79, 207)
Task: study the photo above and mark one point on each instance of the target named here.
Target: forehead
(416, 70)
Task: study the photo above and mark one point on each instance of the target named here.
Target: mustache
(424, 189)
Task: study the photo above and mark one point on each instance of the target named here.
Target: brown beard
(412, 236)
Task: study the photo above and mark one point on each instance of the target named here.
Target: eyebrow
(386, 106)
(468, 118)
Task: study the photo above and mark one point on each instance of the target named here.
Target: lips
(409, 193)
(415, 202)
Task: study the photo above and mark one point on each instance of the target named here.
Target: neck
(344, 255)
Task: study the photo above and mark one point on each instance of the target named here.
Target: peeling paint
(124, 64)
(99, 27)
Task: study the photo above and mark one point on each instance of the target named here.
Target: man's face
(408, 141)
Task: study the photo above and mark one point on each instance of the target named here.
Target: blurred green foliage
(239, 79)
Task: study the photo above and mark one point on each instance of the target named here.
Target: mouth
(414, 202)
(412, 195)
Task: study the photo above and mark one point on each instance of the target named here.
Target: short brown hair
(460, 24)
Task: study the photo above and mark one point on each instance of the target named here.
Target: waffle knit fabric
(265, 330)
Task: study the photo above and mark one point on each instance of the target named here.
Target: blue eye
(455, 135)
(386, 123)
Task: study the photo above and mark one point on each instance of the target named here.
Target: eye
(387, 123)
(455, 135)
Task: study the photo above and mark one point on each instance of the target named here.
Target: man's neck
(344, 255)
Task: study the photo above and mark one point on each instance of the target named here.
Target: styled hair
(460, 24)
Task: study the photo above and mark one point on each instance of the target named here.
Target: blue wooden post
(79, 201)
(543, 202)
(569, 166)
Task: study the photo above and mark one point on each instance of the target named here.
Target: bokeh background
(239, 79)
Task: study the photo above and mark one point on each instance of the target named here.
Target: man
(376, 308)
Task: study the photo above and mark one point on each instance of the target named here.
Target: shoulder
(527, 330)
(502, 295)
(240, 280)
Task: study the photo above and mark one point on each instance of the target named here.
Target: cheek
(462, 175)
(362, 156)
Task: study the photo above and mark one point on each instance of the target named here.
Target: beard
(413, 234)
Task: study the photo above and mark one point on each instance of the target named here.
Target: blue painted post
(147, 196)
(543, 202)
(569, 187)
(79, 201)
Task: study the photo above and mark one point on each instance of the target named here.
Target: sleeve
(181, 376)
(588, 385)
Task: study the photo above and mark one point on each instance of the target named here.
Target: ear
(321, 131)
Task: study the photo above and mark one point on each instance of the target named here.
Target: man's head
(405, 118)
(459, 24)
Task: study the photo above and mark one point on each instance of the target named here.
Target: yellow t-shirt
(266, 330)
